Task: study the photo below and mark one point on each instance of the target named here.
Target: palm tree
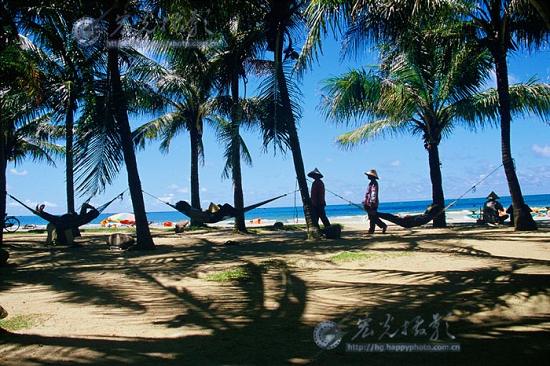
(187, 89)
(282, 20)
(69, 71)
(499, 26)
(117, 104)
(238, 49)
(502, 26)
(424, 90)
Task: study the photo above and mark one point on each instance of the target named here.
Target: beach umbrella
(121, 218)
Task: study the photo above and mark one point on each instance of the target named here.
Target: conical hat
(493, 196)
(372, 173)
(315, 173)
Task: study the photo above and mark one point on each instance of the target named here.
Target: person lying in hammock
(67, 222)
(87, 213)
(409, 221)
(214, 213)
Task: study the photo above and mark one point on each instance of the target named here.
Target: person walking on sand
(318, 199)
(371, 203)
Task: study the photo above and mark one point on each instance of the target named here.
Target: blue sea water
(289, 213)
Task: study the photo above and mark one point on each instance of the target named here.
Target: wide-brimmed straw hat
(493, 196)
(372, 173)
(315, 173)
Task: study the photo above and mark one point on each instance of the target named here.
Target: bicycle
(11, 224)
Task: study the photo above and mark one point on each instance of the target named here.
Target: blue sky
(401, 161)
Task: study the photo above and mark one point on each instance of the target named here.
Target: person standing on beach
(371, 203)
(318, 198)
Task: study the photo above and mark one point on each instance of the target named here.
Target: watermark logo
(327, 335)
(86, 31)
(388, 335)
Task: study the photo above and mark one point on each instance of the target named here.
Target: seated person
(493, 212)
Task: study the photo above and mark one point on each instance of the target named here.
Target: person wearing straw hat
(371, 203)
(493, 211)
(318, 199)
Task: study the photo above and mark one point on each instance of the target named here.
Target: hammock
(69, 221)
(225, 212)
(412, 220)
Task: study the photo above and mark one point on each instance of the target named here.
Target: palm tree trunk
(120, 111)
(3, 184)
(195, 194)
(522, 217)
(294, 141)
(69, 154)
(236, 173)
(438, 197)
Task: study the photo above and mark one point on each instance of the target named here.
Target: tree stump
(181, 226)
(123, 241)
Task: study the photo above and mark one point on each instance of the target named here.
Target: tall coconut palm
(117, 108)
(502, 27)
(187, 91)
(238, 47)
(282, 21)
(424, 90)
(69, 71)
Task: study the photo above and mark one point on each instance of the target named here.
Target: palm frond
(371, 130)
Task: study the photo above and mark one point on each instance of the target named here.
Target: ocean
(289, 214)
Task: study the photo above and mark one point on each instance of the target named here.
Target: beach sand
(93, 305)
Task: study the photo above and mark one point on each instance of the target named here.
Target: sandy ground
(94, 305)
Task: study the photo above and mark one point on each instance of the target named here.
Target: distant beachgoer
(493, 211)
(318, 203)
(370, 204)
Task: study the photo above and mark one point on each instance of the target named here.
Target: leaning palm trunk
(118, 106)
(522, 218)
(69, 153)
(236, 173)
(195, 194)
(438, 197)
(293, 140)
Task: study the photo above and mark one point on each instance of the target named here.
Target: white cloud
(204, 189)
(543, 151)
(20, 173)
(395, 163)
(178, 189)
(34, 203)
(167, 197)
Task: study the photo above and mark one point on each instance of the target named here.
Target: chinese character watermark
(430, 336)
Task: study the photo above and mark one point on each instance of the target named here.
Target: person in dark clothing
(66, 226)
(493, 212)
(318, 203)
(214, 213)
(370, 204)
